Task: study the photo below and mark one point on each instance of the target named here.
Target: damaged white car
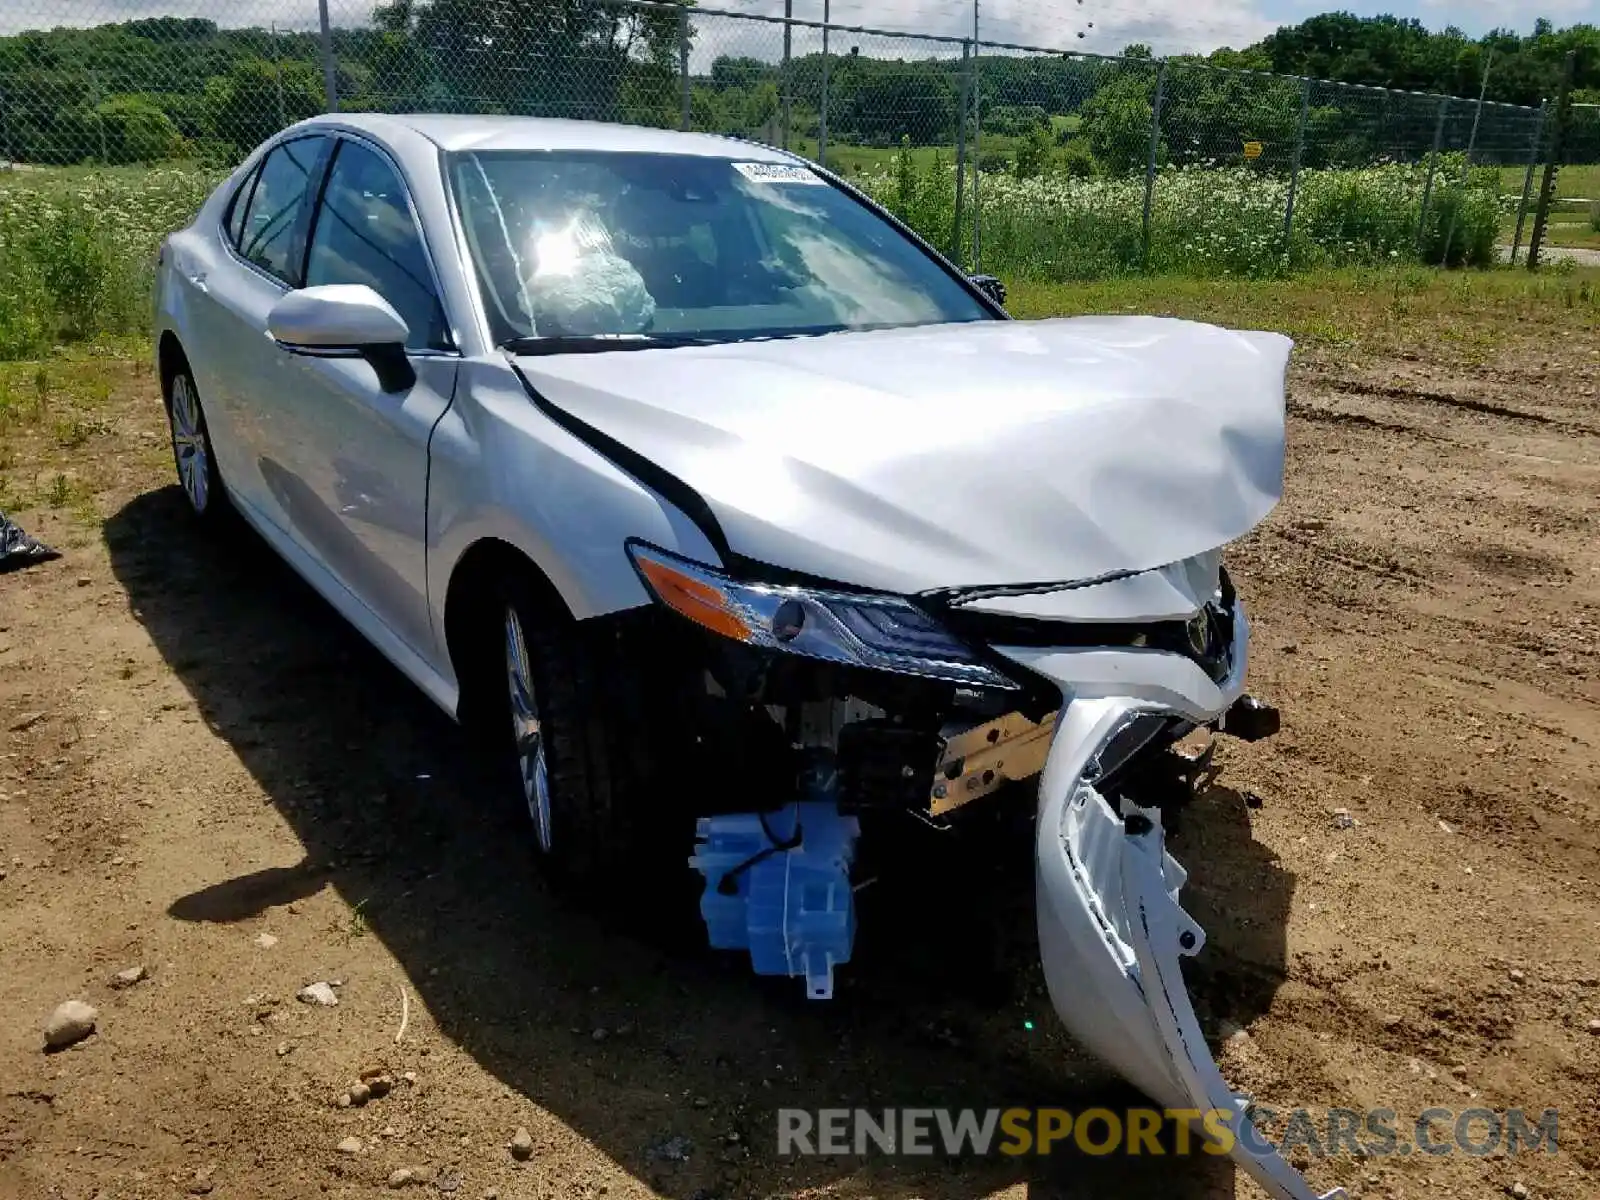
(734, 516)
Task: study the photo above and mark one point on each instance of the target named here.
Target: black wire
(728, 886)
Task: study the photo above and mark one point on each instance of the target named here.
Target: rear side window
(237, 206)
(364, 233)
(267, 231)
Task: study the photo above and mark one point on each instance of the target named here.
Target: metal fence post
(788, 77)
(683, 68)
(99, 117)
(1150, 162)
(822, 112)
(1553, 165)
(961, 149)
(330, 72)
(277, 73)
(1527, 179)
(1433, 167)
(1294, 172)
(977, 144)
(1466, 167)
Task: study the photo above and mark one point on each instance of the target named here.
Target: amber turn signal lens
(702, 603)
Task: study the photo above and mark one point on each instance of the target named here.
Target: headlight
(885, 633)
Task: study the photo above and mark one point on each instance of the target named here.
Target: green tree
(728, 72)
(1116, 121)
(886, 102)
(255, 99)
(1209, 116)
(567, 58)
(138, 131)
(1015, 120)
(650, 94)
(1392, 52)
(1034, 153)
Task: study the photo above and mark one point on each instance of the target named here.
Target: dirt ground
(204, 773)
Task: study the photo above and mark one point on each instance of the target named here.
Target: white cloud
(1168, 25)
(1511, 14)
(285, 14)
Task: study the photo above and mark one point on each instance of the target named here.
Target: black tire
(608, 826)
(189, 435)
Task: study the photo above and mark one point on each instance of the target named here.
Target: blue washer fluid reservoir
(778, 885)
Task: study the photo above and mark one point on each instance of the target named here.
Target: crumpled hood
(973, 454)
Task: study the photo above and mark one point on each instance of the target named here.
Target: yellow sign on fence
(1252, 149)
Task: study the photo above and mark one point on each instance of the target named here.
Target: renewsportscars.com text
(1337, 1132)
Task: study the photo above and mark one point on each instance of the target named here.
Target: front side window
(364, 233)
(579, 243)
(266, 234)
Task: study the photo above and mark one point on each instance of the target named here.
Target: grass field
(1572, 217)
(77, 249)
(1367, 311)
(868, 160)
(1204, 221)
(1568, 229)
(1574, 181)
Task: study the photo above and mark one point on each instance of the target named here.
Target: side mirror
(340, 320)
(991, 287)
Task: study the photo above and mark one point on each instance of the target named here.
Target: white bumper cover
(1111, 929)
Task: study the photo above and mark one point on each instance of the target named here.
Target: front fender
(498, 468)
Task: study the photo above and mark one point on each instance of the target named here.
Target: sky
(1169, 26)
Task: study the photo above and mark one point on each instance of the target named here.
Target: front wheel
(578, 745)
(533, 768)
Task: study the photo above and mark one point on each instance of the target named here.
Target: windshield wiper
(599, 343)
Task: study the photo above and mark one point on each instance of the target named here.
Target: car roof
(464, 131)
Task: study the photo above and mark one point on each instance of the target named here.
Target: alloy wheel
(525, 729)
(189, 446)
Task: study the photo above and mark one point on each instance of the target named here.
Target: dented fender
(1112, 930)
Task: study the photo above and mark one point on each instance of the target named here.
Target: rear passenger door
(264, 231)
(353, 471)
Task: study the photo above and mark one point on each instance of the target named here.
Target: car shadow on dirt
(943, 1005)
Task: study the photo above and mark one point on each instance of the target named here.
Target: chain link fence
(1029, 162)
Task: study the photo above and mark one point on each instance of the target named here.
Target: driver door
(353, 476)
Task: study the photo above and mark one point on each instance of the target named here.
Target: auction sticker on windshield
(762, 172)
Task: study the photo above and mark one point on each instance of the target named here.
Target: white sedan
(733, 517)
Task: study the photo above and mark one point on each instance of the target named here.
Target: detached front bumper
(1111, 929)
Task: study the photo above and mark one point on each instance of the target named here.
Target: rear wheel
(192, 452)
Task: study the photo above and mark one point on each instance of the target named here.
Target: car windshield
(667, 248)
